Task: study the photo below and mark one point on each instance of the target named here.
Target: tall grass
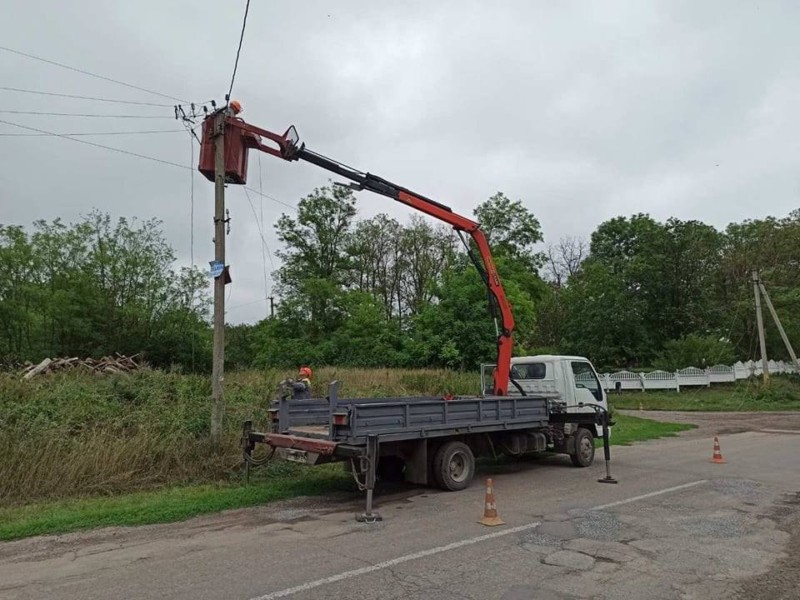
(73, 434)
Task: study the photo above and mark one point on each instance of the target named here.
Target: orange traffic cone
(717, 458)
(490, 507)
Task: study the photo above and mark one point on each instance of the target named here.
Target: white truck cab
(572, 380)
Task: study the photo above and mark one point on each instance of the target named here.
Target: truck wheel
(584, 448)
(453, 466)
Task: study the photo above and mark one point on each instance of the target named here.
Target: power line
(268, 197)
(264, 247)
(246, 304)
(239, 49)
(90, 74)
(129, 153)
(58, 114)
(120, 150)
(73, 96)
(260, 230)
(263, 242)
(90, 133)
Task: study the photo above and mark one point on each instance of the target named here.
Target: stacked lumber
(108, 365)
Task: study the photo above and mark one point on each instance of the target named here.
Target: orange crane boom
(240, 136)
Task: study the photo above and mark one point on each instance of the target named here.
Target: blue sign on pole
(217, 267)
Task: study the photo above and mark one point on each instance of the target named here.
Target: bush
(695, 351)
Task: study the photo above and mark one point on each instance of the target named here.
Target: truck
(525, 404)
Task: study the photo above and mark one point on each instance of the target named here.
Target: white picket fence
(690, 376)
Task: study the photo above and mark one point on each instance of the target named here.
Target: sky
(583, 111)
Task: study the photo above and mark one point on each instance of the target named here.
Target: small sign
(217, 267)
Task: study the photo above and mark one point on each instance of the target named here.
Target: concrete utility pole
(761, 337)
(218, 364)
(779, 326)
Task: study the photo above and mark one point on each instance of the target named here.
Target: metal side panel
(429, 418)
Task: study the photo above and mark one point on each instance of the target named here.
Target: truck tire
(453, 466)
(584, 448)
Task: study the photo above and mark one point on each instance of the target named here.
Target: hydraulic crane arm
(288, 147)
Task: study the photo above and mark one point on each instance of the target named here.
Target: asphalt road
(676, 526)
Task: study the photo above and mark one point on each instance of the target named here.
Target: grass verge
(280, 481)
(634, 429)
(165, 505)
(781, 394)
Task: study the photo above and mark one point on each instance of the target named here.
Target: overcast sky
(584, 111)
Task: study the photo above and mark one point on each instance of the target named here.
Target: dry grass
(67, 434)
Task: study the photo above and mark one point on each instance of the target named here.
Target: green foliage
(606, 319)
(96, 287)
(377, 293)
(695, 350)
(511, 229)
(169, 504)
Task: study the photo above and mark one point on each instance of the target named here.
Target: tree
(428, 252)
(317, 238)
(376, 260)
(606, 318)
(97, 287)
(316, 264)
(458, 331)
(695, 350)
(511, 229)
(563, 259)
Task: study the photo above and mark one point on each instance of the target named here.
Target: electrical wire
(91, 115)
(90, 74)
(245, 304)
(260, 233)
(120, 150)
(263, 243)
(239, 49)
(129, 153)
(74, 97)
(268, 197)
(264, 247)
(90, 133)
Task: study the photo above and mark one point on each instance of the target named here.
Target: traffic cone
(490, 517)
(717, 458)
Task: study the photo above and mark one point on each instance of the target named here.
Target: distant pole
(218, 365)
(271, 306)
(761, 336)
(779, 326)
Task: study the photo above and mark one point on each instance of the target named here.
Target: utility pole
(760, 320)
(779, 326)
(218, 364)
(271, 306)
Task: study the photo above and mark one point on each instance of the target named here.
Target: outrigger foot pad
(607, 479)
(369, 518)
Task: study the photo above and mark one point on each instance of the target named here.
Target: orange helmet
(236, 106)
(305, 372)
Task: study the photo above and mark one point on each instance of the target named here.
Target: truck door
(586, 385)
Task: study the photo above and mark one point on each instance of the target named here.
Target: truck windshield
(529, 371)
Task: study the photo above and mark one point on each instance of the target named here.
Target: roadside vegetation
(176, 502)
(69, 434)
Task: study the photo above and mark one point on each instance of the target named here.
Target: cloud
(583, 111)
